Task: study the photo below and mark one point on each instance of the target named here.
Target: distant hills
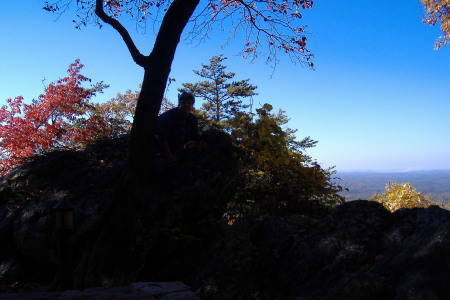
(363, 184)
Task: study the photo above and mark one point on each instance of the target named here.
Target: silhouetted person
(176, 129)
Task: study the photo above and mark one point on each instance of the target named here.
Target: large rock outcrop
(357, 251)
(182, 210)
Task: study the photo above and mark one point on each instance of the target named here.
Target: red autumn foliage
(57, 119)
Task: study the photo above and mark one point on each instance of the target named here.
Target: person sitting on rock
(176, 129)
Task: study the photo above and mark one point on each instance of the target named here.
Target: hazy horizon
(362, 185)
(391, 170)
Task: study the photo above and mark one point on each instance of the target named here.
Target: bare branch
(268, 25)
(262, 26)
(135, 54)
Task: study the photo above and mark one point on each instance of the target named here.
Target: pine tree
(222, 97)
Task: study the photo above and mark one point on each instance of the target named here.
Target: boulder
(359, 251)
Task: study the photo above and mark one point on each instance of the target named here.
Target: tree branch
(173, 23)
(135, 54)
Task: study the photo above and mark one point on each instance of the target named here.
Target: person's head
(186, 102)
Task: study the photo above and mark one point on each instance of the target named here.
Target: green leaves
(222, 98)
(276, 178)
(275, 175)
(267, 107)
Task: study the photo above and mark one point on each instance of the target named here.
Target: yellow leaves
(257, 173)
(275, 175)
(264, 110)
(402, 195)
(267, 107)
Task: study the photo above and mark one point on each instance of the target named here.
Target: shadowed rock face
(27, 220)
(135, 291)
(182, 209)
(358, 251)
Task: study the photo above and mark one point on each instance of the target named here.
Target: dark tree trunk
(119, 252)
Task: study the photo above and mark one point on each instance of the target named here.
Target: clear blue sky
(378, 99)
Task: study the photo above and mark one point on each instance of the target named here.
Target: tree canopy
(267, 26)
(270, 25)
(222, 97)
(116, 114)
(275, 174)
(58, 118)
(402, 195)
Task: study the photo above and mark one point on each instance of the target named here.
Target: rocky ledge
(359, 250)
(136, 291)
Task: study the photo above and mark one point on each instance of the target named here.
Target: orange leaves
(305, 4)
(230, 3)
(55, 119)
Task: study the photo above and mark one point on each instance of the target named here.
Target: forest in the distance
(362, 185)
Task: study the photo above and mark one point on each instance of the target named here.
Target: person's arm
(193, 135)
(166, 152)
(195, 129)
